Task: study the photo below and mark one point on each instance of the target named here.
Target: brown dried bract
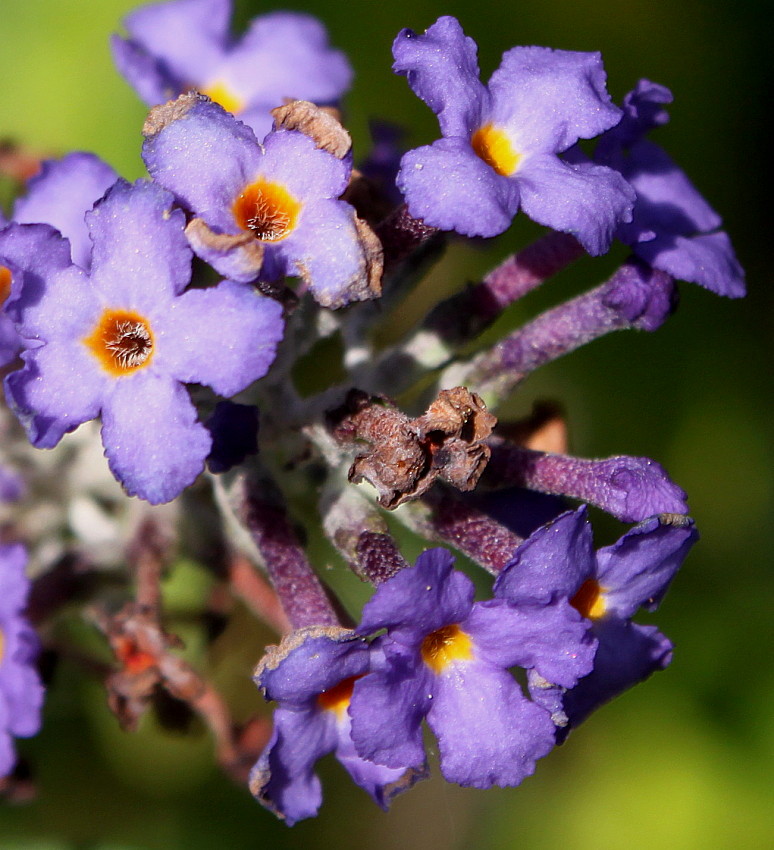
(403, 457)
(173, 110)
(321, 125)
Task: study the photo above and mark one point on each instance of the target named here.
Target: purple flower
(60, 195)
(672, 228)
(558, 562)
(21, 691)
(500, 142)
(311, 675)
(121, 340)
(177, 46)
(270, 209)
(446, 658)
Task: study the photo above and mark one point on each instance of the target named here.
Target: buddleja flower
(558, 562)
(21, 691)
(121, 341)
(311, 675)
(182, 45)
(673, 227)
(446, 658)
(60, 195)
(500, 145)
(265, 210)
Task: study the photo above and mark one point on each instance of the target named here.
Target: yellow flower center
(337, 698)
(491, 144)
(590, 600)
(220, 93)
(2, 646)
(5, 284)
(267, 210)
(444, 646)
(121, 341)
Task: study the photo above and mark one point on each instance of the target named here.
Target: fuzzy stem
(302, 595)
(634, 297)
(443, 516)
(629, 488)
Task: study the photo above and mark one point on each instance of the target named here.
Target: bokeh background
(684, 761)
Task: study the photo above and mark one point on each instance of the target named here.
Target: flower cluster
(171, 310)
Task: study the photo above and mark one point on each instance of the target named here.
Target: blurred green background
(684, 761)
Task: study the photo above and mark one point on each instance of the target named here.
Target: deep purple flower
(558, 562)
(311, 675)
(500, 142)
(21, 691)
(182, 45)
(672, 228)
(234, 430)
(446, 658)
(268, 208)
(121, 341)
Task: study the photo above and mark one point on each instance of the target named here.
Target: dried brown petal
(321, 125)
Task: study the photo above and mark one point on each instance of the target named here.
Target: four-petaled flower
(268, 209)
(673, 228)
(312, 675)
(177, 46)
(446, 658)
(500, 145)
(558, 562)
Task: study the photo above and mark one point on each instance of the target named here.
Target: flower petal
(442, 70)
(447, 186)
(387, 710)
(420, 599)
(552, 563)
(149, 76)
(637, 569)
(189, 36)
(60, 387)
(153, 442)
(141, 256)
(286, 56)
(588, 201)
(628, 653)
(225, 336)
(326, 251)
(707, 259)
(553, 639)
(488, 732)
(548, 99)
(283, 778)
(61, 195)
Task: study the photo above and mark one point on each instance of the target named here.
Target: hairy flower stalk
(635, 297)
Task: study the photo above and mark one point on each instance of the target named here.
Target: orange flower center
(589, 601)
(2, 646)
(5, 284)
(121, 341)
(219, 92)
(444, 646)
(337, 698)
(491, 144)
(267, 210)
